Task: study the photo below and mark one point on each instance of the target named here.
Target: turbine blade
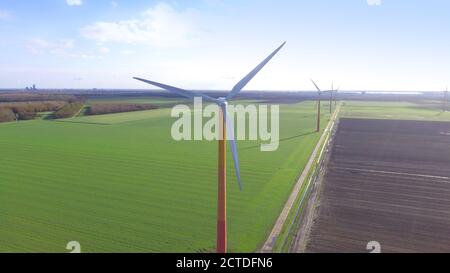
(242, 83)
(232, 141)
(318, 89)
(176, 90)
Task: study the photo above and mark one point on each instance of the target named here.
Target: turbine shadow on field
(282, 140)
(81, 122)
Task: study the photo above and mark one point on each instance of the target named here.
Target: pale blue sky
(381, 45)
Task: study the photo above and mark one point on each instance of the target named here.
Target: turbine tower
(225, 123)
(319, 92)
(335, 97)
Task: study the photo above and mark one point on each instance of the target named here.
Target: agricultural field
(387, 181)
(158, 101)
(119, 183)
(412, 110)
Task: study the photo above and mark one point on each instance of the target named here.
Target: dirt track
(276, 230)
(387, 181)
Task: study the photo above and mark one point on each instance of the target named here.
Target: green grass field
(423, 110)
(119, 183)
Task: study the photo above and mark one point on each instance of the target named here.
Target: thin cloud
(160, 25)
(62, 48)
(39, 46)
(374, 2)
(74, 2)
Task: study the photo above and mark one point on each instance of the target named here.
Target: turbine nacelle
(222, 101)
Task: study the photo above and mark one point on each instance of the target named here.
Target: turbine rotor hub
(222, 101)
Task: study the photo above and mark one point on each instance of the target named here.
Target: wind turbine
(445, 99)
(335, 97)
(319, 92)
(225, 124)
(331, 98)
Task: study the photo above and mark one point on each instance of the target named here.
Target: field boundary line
(394, 173)
(79, 111)
(80, 122)
(277, 228)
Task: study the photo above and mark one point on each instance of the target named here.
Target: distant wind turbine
(445, 104)
(331, 98)
(225, 124)
(335, 97)
(319, 92)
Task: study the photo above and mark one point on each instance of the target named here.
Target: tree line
(29, 97)
(26, 106)
(69, 110)
(6, 115)
(27, 110)
(109, 108)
